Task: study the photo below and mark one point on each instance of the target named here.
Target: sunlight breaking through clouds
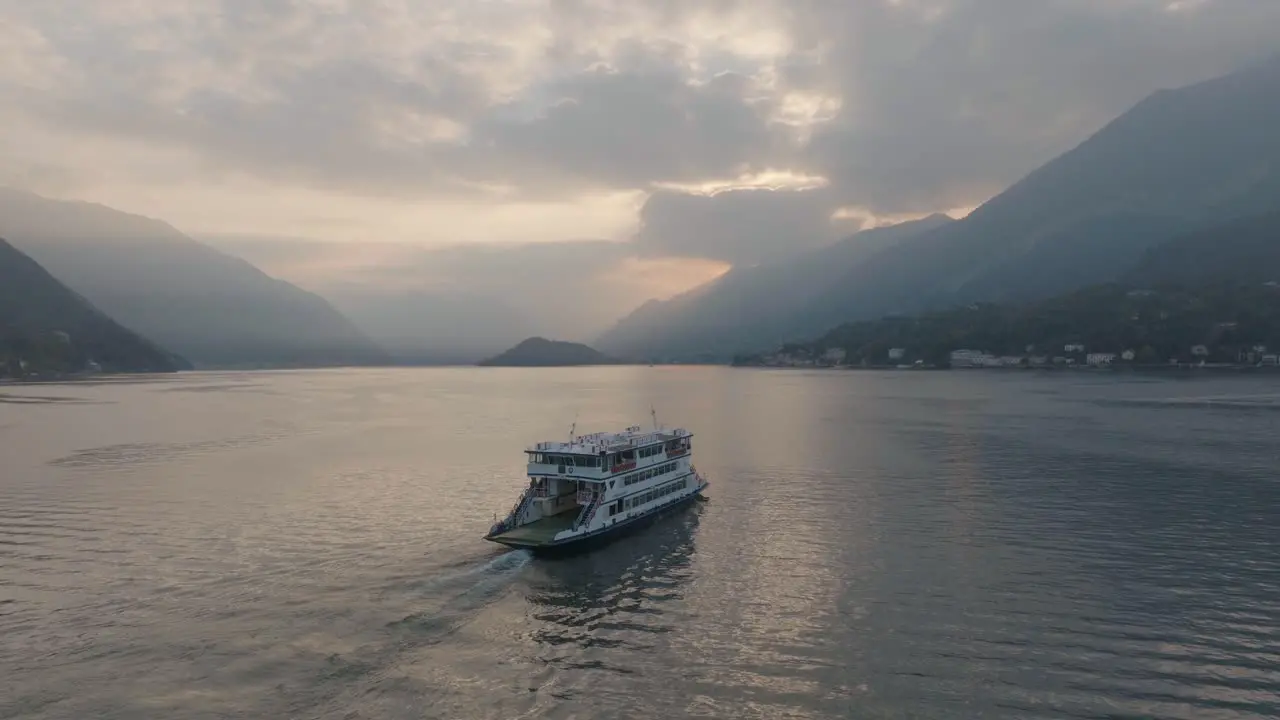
(658, 125)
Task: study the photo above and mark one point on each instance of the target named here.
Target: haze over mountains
(1179, 160)
(764, 304)
(45, 327)
(209, 307)
(1197, 157)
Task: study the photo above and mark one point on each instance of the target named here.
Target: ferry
(595, 486)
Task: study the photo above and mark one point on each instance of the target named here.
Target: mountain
(540, 352)
(751, 307)
(1243, 251)
(214, 309)
(50, 329)
(1178, 161)
(1219, 287)
(1230, 320)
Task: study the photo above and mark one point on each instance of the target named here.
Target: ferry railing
(588, 511)
(513, 516)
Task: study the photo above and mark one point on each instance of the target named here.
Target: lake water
(876, 545)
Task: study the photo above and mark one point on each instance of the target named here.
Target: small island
(541, 352)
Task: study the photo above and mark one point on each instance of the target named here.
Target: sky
(640, 146)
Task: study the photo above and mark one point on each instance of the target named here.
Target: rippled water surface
(875, 546)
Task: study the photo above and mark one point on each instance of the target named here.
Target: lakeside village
(1072, 356)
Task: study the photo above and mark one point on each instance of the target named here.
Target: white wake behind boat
(594, 486)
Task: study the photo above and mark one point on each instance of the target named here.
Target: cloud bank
(708, 130)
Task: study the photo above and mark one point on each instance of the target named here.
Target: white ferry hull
(585, 538)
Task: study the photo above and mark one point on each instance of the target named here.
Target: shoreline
(1184, 368)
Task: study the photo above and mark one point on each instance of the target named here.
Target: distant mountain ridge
(214, 309)
(541, 352)
(47, 328)
(1178, 161)
(757, 306)
(1218, 288)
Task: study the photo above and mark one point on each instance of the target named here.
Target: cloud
(945, 103)
(634, 129)
(737, 226)
(454, 122)
(441, 98)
